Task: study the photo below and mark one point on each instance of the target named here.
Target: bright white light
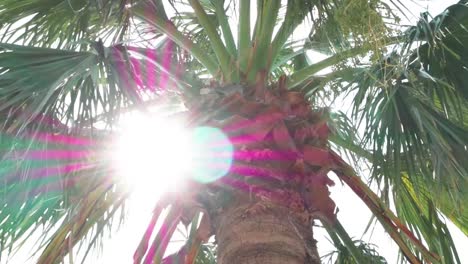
(152, 155)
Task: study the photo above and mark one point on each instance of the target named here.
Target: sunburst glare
(155, 155)
(152, 154)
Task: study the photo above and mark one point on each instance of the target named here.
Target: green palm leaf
(62, 23)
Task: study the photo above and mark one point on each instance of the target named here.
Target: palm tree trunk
(257, 233)
(278, 178)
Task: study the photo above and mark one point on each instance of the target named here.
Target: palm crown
(69, 69)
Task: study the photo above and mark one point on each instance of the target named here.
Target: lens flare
(153, 156)
(213, 154)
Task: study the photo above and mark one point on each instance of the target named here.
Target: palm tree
(70, 68)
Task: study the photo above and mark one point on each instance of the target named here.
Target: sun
(153, 154)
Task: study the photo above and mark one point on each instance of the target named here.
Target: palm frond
(348, 250)
(63, 23)
(422, 216)
(51, 180)
(414, 115)
(76, 87)
(94, 211)
(342, 255)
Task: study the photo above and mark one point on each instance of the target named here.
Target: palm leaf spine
(351, 146)
(383, 213)
(225, 28)
(168, 28)
(224, 58)
(243, 37)
(338, 233)
(286, 29)
(301, 75)
(261, 57)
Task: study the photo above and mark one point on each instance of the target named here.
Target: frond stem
(226, 29)
(292, 19)
(266, 21)
(167, 27)
(305, 73)
(243, 37)
(385, 216)
(220, 50)
(339, 234)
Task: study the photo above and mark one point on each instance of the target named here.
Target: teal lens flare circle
(213, 154)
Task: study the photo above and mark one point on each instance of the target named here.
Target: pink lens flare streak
(166, 63)
(58, 187)
(52, 154)
(62, 139)
(137, 70)
(265, 155)
(124, 74)
(268, 118)
(257, 171)
(150, 69)
(165, 233)
(58, 170)
(53, 171)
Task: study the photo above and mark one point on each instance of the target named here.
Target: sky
(352, 212)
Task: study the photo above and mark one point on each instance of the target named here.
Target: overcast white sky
(352, 212)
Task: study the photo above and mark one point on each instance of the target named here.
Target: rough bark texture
(258, 233)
